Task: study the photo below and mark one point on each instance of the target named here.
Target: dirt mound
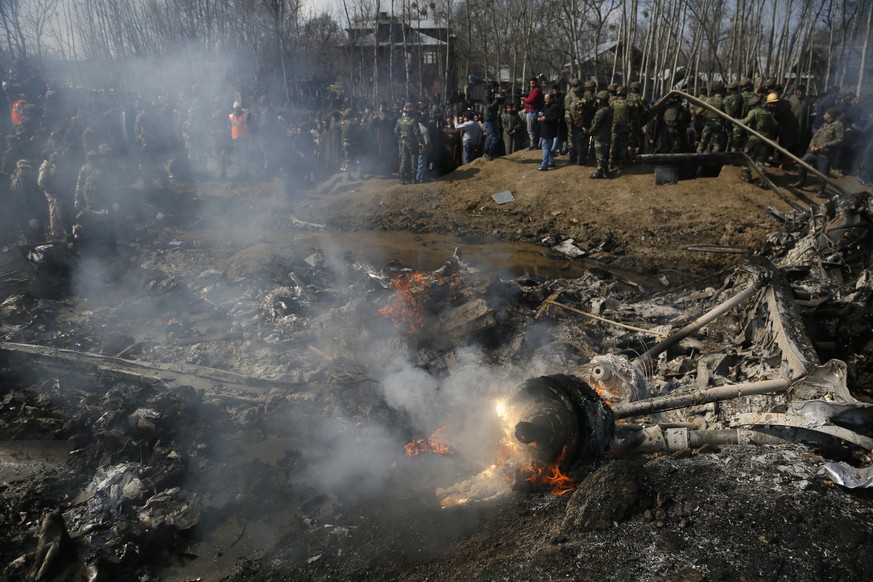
(645, 227)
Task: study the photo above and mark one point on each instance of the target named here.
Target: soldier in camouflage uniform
(353, 138)
(581, 116)
(670, 134)
(408, 134)
(741, 108)
(822, 148)
(638, 109)
(601, 131)
(29, 206)
(569, 101)
(712, 136)
(96, 207)
(620, 128)
(611, 89)
(728, 103)
(761, 120)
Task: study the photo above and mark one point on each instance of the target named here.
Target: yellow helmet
(773, 98)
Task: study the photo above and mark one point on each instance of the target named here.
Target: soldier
(712, 137)
(620, 128)
(822, 148)
(95, 227)
(352, 135)
(638, 108)
(741, 108)
(611, 89)
(601, 131)
(407, 133)
(670, 133)
(761, 120)
(47, 179)
(569, 101)
(30, 207)
(582, 113)
(728, 103)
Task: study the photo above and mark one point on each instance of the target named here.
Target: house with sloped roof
(409, 55)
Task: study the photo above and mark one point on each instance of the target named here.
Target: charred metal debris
(139, 409)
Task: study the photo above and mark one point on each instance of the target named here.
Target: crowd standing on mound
(73, 158)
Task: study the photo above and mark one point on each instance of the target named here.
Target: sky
(319, 6)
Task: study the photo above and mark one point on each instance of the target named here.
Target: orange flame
(435, 445)
(605, 393)
(405, 308)
(549, 475)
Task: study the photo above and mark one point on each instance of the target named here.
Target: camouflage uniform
(581, 116)
(760, 119)
(712, 136)
(96, 191)
(728, 103)
(601, 131)
(407, 133)
(620, 128)
(671, 129)
(638, 109)
(352, 135)
(29, 205)
(745, 104)
(569, 101)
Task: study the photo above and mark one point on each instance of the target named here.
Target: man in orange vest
(17, 111)
(241, 134)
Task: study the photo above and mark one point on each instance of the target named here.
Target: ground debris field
(374, 381)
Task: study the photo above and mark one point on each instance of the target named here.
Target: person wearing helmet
(789, 130)
(712, 135)
(620, 128)
(408, 134)
(581, 114)
(670, 128)
(761, 120)
(29, 206)
(638, 109)
(822, 148)
(569, 100)
(744, 104)
(601, 131)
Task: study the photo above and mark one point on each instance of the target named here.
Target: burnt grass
(232, 486)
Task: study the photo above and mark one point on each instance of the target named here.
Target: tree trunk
(865, 51)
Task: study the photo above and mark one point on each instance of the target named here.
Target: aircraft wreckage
(780, 353)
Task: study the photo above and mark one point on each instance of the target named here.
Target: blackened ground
(717, 514)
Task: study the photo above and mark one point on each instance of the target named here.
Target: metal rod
(646, 359)
(671, 402)
(658, 334)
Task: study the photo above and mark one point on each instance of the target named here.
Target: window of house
(429, 57)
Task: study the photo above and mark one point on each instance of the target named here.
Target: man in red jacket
(533, 102)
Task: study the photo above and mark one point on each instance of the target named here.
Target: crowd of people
(71, 156)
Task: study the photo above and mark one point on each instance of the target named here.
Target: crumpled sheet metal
(826, 382)
(848, 476)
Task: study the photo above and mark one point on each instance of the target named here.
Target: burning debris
(208, 402)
